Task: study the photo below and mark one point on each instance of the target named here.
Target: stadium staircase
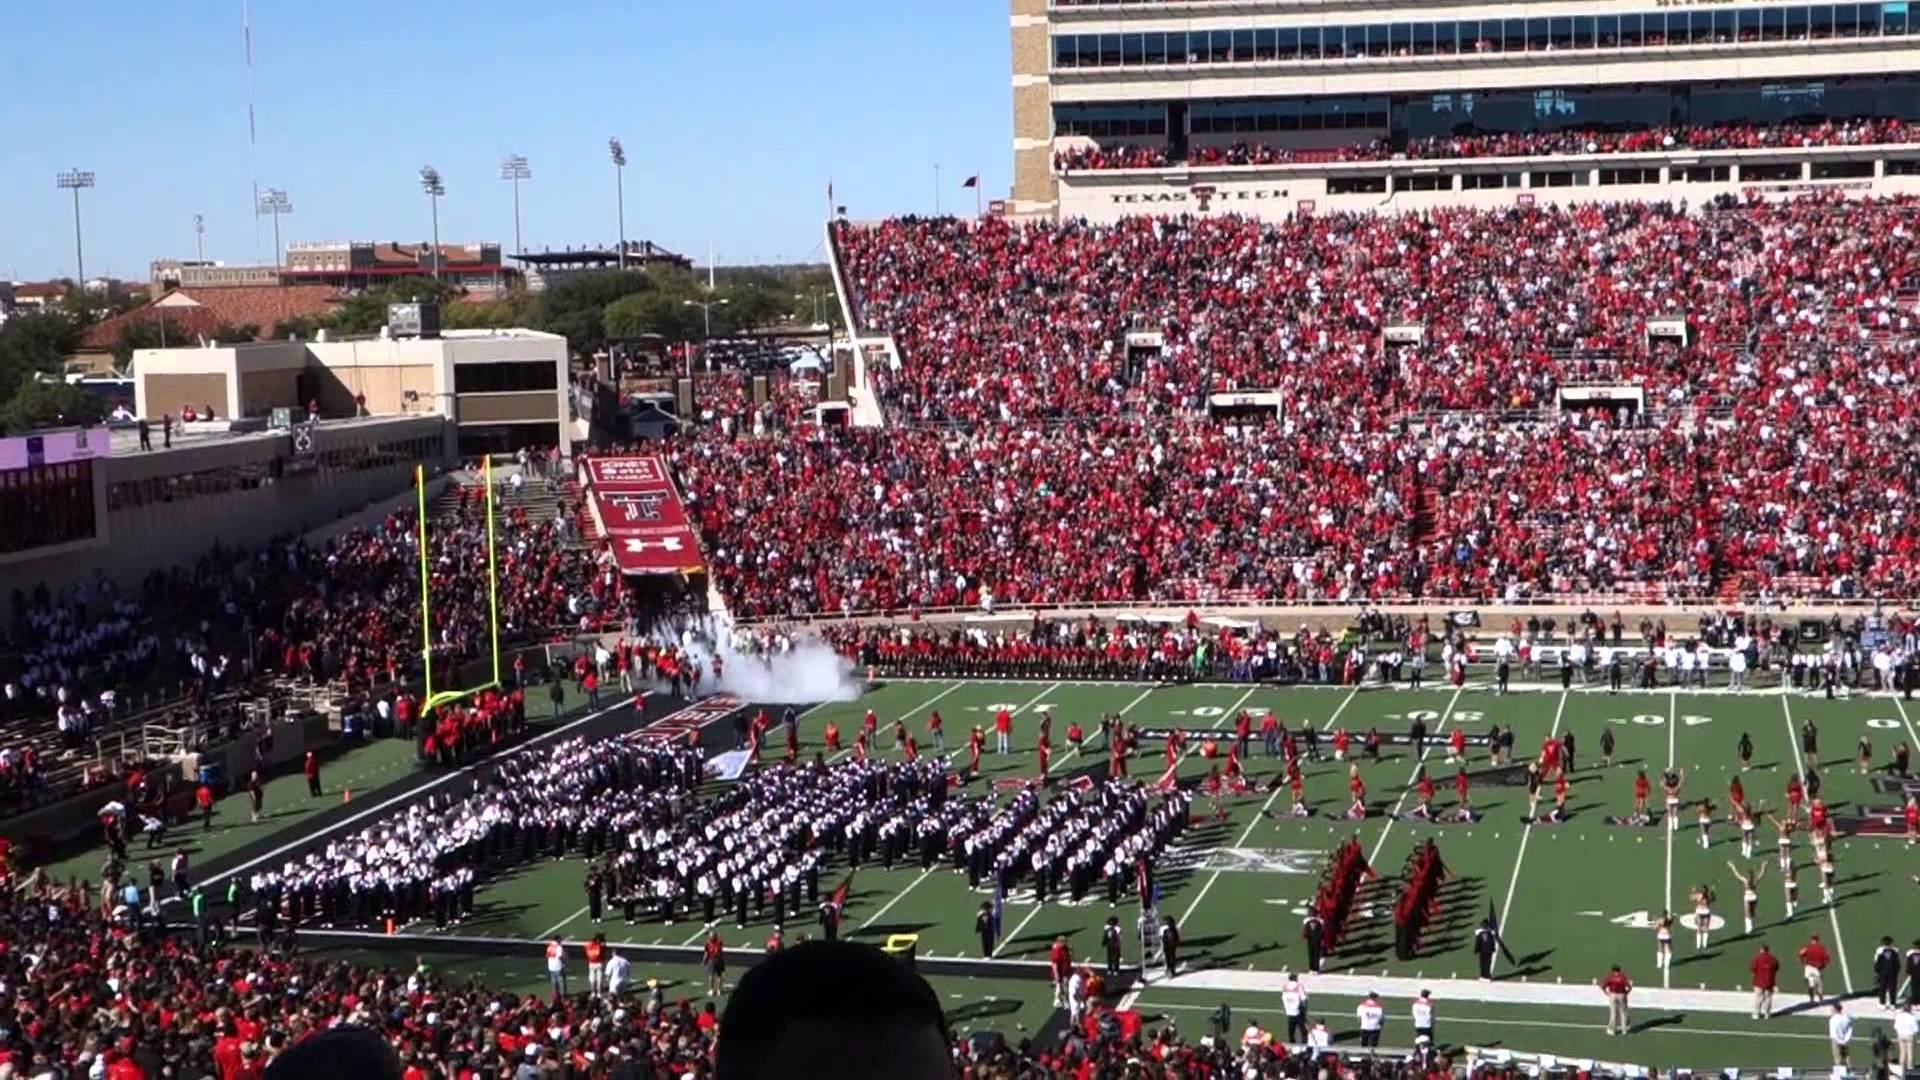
(868, 344)
(543, 500)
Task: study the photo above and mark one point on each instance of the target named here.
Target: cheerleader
(1461, 788)
(1606, 747)
(1745, 751)
(1663, 941)
(1911, 814)
(1341, 742)
(1702, 915)
(1297, 785)
(1533, 790)
(1784, 843)
(1796, 794)
(1424, 811)
(1736, 793)
(1826, 875)
(1705, 816)
(1641, 788)
(1559, 814)
(1457, 746)
(1790, 885)
(1749, 891)
(1670, 782)
(1358, 788)
(1865, 755)
(1745, 817)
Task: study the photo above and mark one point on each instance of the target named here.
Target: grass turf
(1574, 898)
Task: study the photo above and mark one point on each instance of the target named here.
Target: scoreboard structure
(52, 495)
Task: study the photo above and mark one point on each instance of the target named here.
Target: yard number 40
(1655, 720)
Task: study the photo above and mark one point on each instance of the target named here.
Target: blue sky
(734, 114)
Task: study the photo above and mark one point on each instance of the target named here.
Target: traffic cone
(346, 795)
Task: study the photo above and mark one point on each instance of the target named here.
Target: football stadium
(1388, 551)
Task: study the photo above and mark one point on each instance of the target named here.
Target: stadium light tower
(199, 238)
(619, 155)
(430, 183)
(514, 168)
(274, 202)
(706, 312)
(73, 180)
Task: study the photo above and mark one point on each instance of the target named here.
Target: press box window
(505, 377)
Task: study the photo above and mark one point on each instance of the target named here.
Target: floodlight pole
(74, 180)
(619, 155)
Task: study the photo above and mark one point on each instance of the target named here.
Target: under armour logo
(641, 547)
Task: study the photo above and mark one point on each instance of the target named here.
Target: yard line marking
(922, 707)
(1264, 807)
(1911, 733)
(1526, 831)
(1021, 925)
(1833, 916)
(1394, 814)
(899, 896)
(1670, 827)
(1173, 770)
(1503, 1021)
(555, 928)
(415, 792)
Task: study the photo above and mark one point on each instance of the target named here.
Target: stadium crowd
(1782, 381)
(1875, 131)
(88, 996)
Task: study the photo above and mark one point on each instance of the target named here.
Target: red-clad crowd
(1775, 343)
(351, 609)
(1876, 131)
(907, 517)
(87, 997)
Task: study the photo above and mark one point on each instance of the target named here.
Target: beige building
(502, 389)
(1195, 80)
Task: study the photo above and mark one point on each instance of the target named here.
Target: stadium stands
(1562, 141)
(1021, 425)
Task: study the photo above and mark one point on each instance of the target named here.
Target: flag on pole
(838, 898)
(971, 181)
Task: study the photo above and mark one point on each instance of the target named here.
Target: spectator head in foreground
(347, 1050)
(833, 1008)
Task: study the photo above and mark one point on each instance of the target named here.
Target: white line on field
(1432, 738)
(1021, 925)
(1670, 827)
(1911, 733)
(922, 707)
(897, 897)
(1244, 836)
(556, 927)
(1833, 916)
(1526, 831)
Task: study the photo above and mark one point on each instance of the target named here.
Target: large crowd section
(344, 612)
(1030, 457)
(1567, 141)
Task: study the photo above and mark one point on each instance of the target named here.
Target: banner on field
(641, 513)
(728, 766)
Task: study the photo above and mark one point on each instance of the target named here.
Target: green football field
(1572, 898)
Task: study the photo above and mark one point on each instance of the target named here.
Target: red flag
(972, 181)
(839, 896)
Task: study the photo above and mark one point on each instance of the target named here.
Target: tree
(229, 334)
(36, 404)
(575, 306)
(159, 332)
(301, 327)
(498, 314)
(653, 313)
(366, 312)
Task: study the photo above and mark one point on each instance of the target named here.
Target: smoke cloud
(809, 672)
